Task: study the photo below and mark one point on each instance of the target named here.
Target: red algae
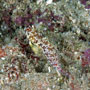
(86, 58)
(2, 53)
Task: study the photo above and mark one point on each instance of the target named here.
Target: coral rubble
(61, 35)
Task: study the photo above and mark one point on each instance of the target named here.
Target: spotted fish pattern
(48, 49)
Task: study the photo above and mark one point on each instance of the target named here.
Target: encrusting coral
(60, 35)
